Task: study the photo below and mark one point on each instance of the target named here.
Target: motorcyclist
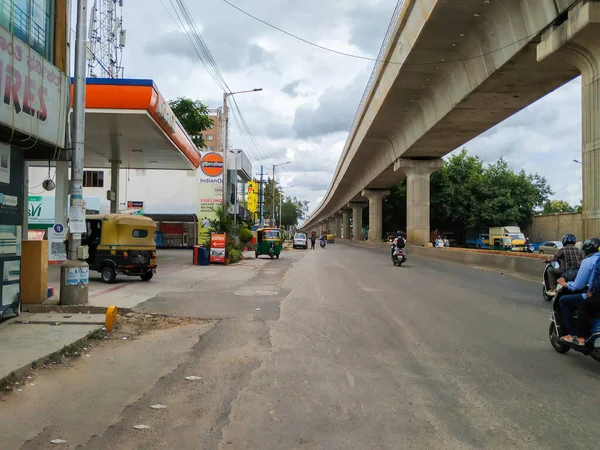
(569, 303)
(591, 306)
(399, 242)
(569, 257)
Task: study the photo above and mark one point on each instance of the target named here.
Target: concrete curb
(527, 266)
(70, 309)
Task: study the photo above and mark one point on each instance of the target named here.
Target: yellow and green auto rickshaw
(268, 242)
(121, 243)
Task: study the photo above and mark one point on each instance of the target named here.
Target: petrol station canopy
(130, 121)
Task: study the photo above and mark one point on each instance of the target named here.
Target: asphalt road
(339, 349)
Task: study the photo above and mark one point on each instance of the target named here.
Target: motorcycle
(398, 257)
(528, 248)
(558, 329)
(322, 243)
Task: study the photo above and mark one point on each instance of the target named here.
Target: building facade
(33, 118)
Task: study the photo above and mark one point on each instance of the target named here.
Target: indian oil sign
(210, 187)
(212, 164)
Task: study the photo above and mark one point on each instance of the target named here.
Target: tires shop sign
(33, 92)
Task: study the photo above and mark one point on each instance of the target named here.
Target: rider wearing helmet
(568, 303)
(569, 257)
(399, 242)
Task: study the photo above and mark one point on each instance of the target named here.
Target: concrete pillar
(61, 193)
(346, 224)
(375, 212)
(357, 220)
(417, 174)
(338, 226)
(577, 42)
(115, 169)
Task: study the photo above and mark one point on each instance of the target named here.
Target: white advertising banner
(34, 92)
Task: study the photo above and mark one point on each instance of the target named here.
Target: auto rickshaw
(268, 242)
(121, 243)
(330, 238)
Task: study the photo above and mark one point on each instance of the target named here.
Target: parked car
(300, 241)
(549, 247)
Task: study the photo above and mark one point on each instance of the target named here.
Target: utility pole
(75, 272)
(273, 207)
(224, 138)
(224, 123)
(261, 200)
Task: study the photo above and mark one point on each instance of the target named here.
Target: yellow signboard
(253, 197)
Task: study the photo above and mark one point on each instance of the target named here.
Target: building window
(93, 178)
(31, 21)
(209, 137)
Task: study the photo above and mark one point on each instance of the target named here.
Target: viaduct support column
(375, 212)
(418, 173)
(357, 220)
(577, 41)
(338, 226)
(346, 224)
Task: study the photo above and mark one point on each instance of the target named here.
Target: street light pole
(225, 136)
(75, 272)
(273, 211)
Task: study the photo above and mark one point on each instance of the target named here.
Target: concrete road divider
(528, 265)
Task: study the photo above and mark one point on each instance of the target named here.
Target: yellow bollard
(111, 318)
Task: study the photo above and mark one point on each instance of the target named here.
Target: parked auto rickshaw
(268, 242)
(330, 238)
(121, 243)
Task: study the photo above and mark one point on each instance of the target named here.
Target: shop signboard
(218, 242)
(253, 198)
(210, 185)
(41, 210)
(37, 104)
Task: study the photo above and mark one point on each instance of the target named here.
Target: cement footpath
(45, 329)
(32, 338)
(529, 266)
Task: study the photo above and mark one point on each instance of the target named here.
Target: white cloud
(310, 95)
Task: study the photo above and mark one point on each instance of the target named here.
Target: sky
(310, 96)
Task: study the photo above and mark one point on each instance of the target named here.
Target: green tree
(557, 206)
(193, 116)
(466, 193)
(293, 211)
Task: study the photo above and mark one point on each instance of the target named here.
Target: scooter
(528, 248)
(322, 243)
(398, 257)
(558, 329)
(568, 276)
(546, 281)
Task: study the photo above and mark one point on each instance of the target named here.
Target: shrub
(245, 235)
(235, 255)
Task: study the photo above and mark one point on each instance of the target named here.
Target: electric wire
(367, 58)
(193, 35)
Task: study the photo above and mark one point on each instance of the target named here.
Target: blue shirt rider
(585, 277)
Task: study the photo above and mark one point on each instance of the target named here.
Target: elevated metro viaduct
(447, 72)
